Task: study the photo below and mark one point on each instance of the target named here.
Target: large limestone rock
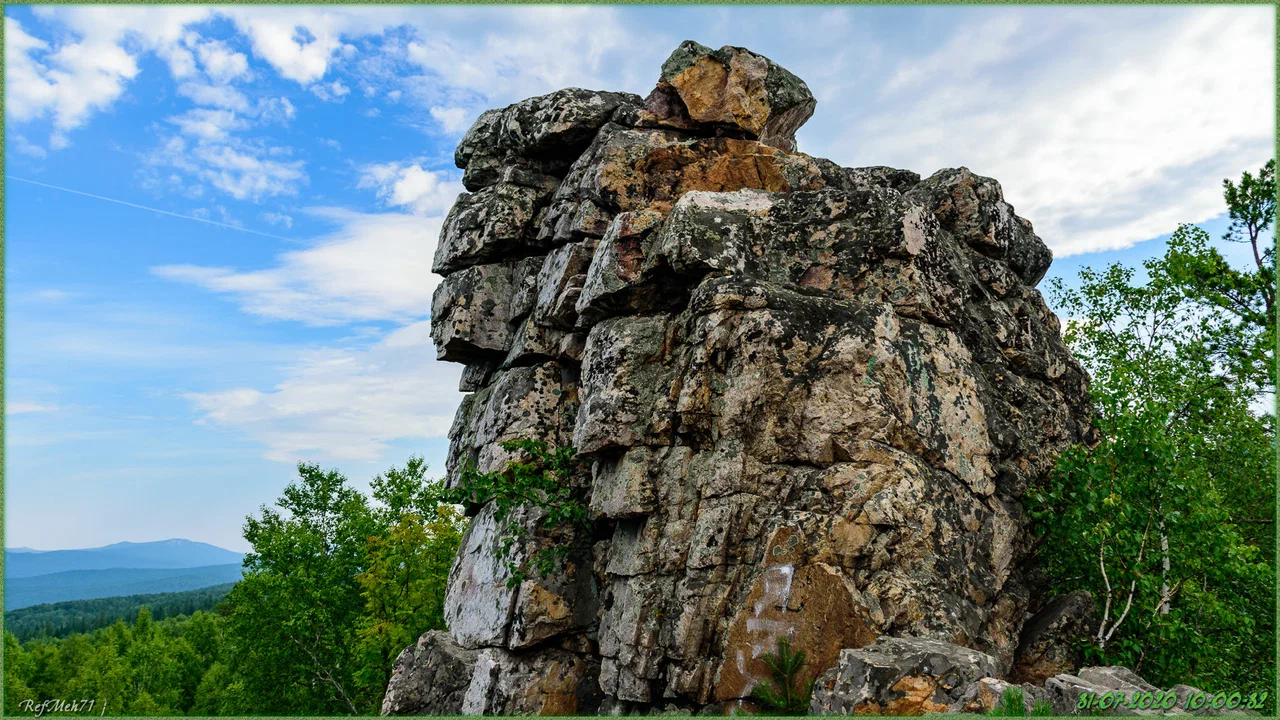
(899, 676)
(730, 89)
(1050, 641)
(810, 396)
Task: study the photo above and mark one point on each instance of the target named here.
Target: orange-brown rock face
(810, 398)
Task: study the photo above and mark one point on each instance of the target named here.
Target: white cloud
(1105, 126)
(453, 121)
(409, 185)
(373, 267)
(275, 110)
(23, 408)
(221, 63)
(331, 92)
(28, 92)
(219, 96)
(208, 124)
(26, 147)
(341, 404)
(89, 69)
(277, 219)
(522, 53)
(68, 83)
(244, 171)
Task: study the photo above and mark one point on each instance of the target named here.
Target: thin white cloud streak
(337, 405)
(26, 408)
(374, 267)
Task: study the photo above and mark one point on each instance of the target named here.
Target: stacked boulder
(810, 397)
(913, 676)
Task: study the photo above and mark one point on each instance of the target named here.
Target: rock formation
(810, 397)
(912, 676)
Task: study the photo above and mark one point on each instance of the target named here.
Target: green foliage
(786, 693)
(1167, 521)
(336, 586)
(1012, 703)
(547, 481)
(403, 584)
(146, 667)
(59, 620)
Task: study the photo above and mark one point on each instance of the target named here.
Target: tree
(1240, 302)
(408, 568)
(336, 587)
(295, 611)
(786, 693)
(1167, 520)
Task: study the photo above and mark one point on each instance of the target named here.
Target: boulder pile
(809, 396)
(911, 676)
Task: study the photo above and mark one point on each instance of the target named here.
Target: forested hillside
(336, 586)
(59, 620)
(85, 584)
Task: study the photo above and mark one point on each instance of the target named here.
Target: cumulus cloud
(208, 124)
(331, 92)
(26, 147)
(243, 170)
(342, 404)
(409, 185)
(374, 267)
(453, 121)
(221, 63)
(1114, 142)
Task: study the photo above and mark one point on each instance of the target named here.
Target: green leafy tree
(1167, 520)
(336, 586)
(294, 614)
(407, 570)
(1241, 302)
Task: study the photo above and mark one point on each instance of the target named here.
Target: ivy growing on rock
(545, 481)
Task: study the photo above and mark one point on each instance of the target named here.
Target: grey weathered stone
(811, 396)
(534, 138)
(899, 676)
(731, 89)
(497, 222)
(1050, 641)
(470, 311)
(430, 677)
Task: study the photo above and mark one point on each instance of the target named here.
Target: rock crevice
(810, 396)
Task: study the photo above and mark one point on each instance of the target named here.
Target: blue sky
(163, 374)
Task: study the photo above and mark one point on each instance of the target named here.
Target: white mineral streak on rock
(915, 229)
(474, 702)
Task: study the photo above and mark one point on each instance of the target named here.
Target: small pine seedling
(786, 693)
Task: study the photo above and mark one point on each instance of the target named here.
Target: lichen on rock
(811, 397)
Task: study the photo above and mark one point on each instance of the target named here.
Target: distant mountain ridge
(88, 584)
(161, 554)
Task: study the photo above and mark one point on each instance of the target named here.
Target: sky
(219, 221)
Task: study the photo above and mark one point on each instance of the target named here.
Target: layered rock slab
(809, 395)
